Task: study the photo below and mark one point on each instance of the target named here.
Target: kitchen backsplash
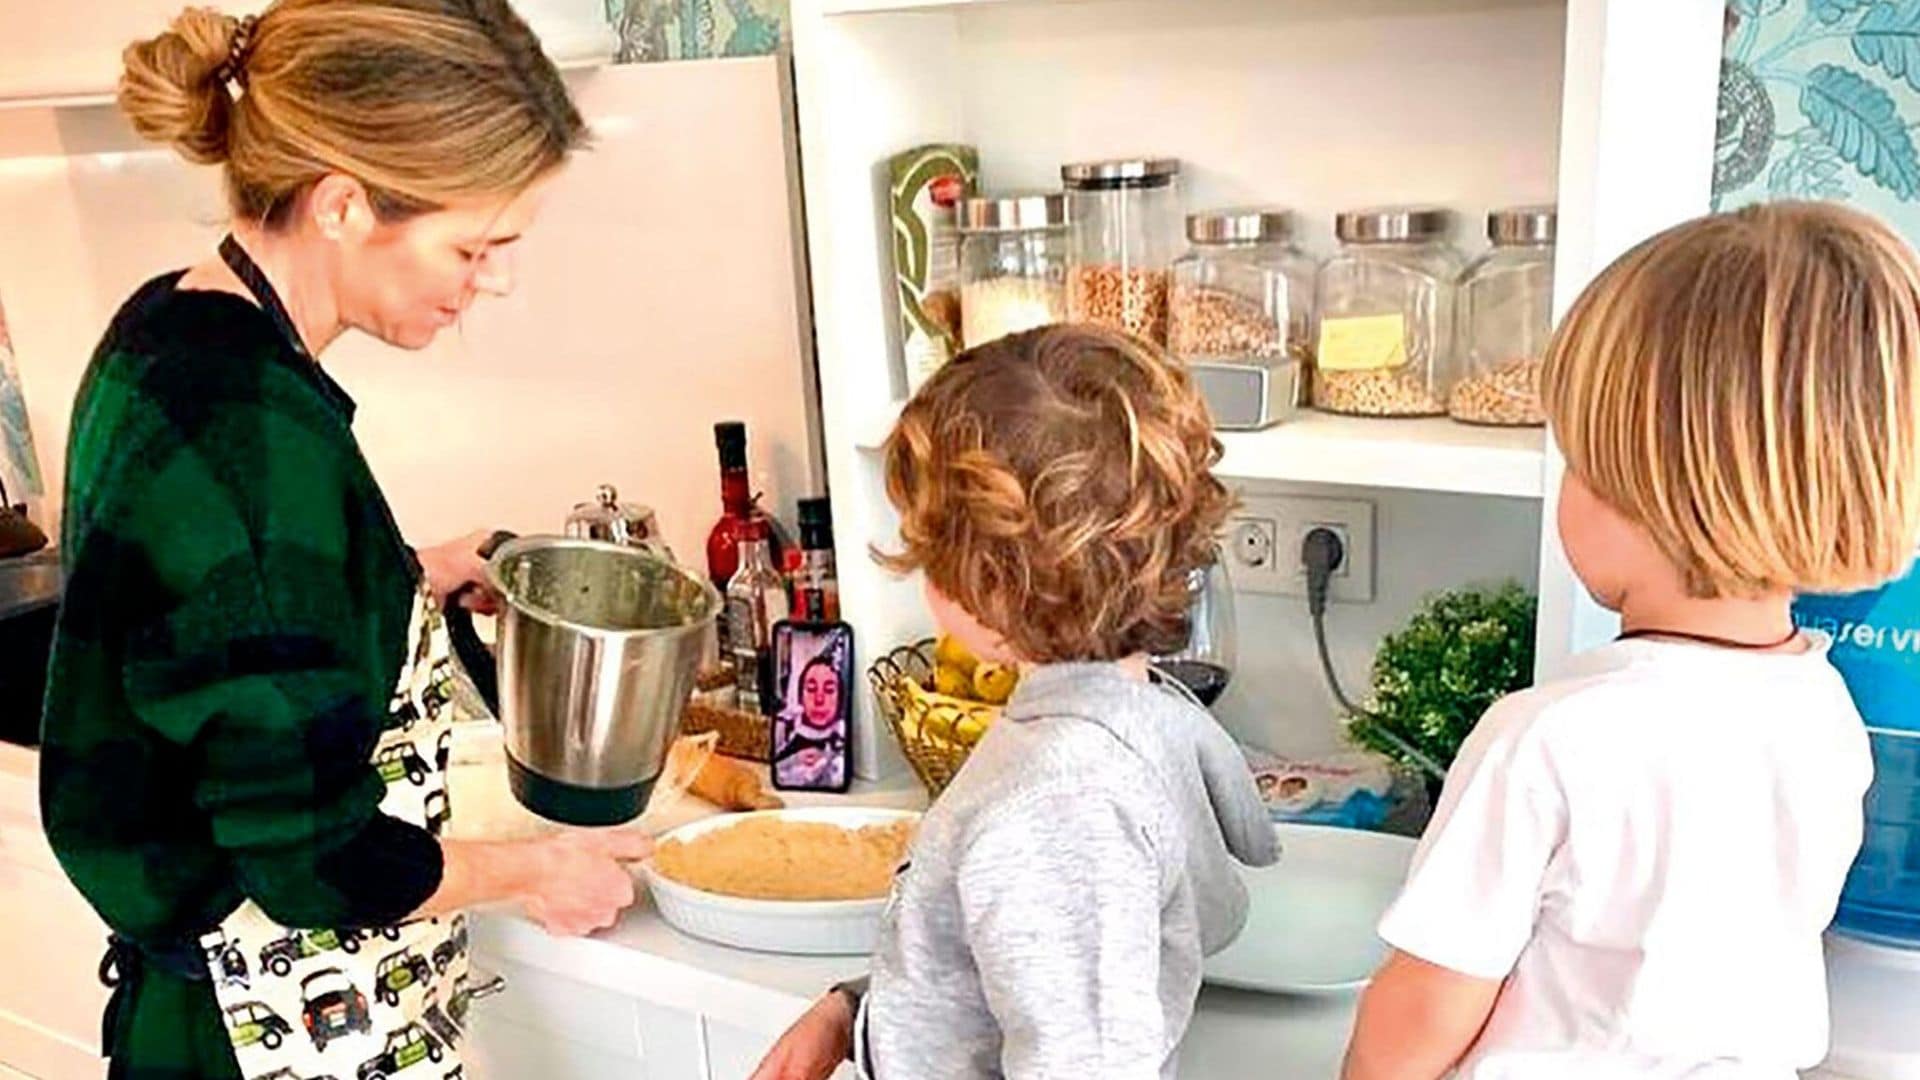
(652, 30)
(1818, 100)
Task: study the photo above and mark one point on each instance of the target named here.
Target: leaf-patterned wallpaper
(19, 467)
(696, 29)
(1819, 99)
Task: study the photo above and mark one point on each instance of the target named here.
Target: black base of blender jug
(574, 804)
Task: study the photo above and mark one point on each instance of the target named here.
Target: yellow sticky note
(1363, 343)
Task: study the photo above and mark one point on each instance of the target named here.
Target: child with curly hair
(1055, 489)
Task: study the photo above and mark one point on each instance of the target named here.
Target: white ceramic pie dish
(800, 927)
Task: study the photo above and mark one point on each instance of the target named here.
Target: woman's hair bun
(171, 88)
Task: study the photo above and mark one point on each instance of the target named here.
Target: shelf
(1421, 455)
(78, 100)
(1424, 455)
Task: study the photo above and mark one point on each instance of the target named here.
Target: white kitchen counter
(638, 1002)
(745, 999)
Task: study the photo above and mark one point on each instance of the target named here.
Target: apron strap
(125, 964)
(255, 280)
(119, 971)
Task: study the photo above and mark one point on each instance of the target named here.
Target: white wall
(1318, 105)
(1425, 542)
(657, 294)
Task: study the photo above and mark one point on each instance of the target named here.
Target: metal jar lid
(1014, 213)
(1120, 173)
(1511, 225)
(607, 518)
(1392, 224)
(1240, 225)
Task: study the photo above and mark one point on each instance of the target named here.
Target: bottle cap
(816, 524)
(730, 436)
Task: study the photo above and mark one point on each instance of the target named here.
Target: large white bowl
(1311, 927)
(802, 927)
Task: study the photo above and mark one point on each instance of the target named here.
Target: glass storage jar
(1124, 229)
(1013, 264)
(1242, 297)
(1506, 316)
(1385, 304)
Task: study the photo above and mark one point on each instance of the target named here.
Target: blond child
(1630, 868)
(1054, 489)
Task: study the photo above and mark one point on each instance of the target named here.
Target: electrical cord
(1322, 552)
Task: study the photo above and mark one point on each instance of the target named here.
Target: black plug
(1321, 552)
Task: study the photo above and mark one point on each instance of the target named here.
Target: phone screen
(813, 664)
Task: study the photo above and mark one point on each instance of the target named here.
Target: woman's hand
(571, 883)
(815, 1045)
(581, 882)
(458, 563)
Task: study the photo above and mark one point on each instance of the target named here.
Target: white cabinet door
(733, 1053)
(549, 1027)
(498, 1048)
(50, 997)
(673, 1043)
(50, 945)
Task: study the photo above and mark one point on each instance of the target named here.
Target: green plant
(1432, 680)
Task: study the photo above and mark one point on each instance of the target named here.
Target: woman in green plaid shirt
(238, 600)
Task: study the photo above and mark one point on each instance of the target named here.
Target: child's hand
(815, 1045)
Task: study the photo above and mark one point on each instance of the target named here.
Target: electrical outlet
(1252, 543)
(1345, 569)
(1279, 524)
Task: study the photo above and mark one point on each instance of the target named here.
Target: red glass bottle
(736, 500)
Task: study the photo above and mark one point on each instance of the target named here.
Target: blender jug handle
(473, 654)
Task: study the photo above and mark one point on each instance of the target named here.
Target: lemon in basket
(970, 729)
(994, 683)
(952, 681)
(949, 653)
(940, 700)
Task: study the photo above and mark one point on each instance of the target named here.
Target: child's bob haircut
(1746, 387)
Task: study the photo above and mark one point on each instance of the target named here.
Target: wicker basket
(742, 734)
(935, 731)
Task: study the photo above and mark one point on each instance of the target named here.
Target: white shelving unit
(1606, 106)
(1317, 448)
(1419, 455)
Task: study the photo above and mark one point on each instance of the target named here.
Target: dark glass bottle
(816, 585)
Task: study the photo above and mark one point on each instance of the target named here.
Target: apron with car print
(303, 1004)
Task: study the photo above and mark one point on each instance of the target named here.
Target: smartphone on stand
(812, 727)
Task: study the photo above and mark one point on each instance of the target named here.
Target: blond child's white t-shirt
(1648, 852)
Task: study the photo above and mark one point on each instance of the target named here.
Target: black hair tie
(239, 47)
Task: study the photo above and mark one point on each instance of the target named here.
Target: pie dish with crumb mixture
(811, 881)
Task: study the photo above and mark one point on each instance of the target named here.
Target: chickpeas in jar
(1124, 228)
(1242, 298)
(1242, 289)
(1385, 304)
(1506, 317)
